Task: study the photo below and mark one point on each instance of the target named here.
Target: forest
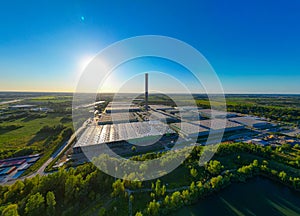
(86, 190)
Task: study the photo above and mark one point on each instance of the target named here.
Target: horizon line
(72, 92)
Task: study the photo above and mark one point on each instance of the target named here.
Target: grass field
(52, 99)
(27, 134)
(22, 132)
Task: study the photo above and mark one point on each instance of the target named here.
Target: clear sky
(254, 46)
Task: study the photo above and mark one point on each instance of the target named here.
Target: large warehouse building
(250, 122)
(163, 117)
(120, 137)
(218, 124)
(203, 127)
(115, 118)
(189, 130)
(208, 113)
(117, 107)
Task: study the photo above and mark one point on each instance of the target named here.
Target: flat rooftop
(192, 115)
(247, 120)
(188, 108)
(188, 128)
(161, 107)
(100, 134)
(122, 109)
(117, 117)
(120, 104)
(124, 106)
(216, 113)
(217, 124)
(159, 116)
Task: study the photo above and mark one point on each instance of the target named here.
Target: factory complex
(119, 135)
(126, 127)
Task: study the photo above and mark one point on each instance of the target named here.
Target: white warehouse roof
(218, 124)
(124, 131)
(249, 121)
(189, 129)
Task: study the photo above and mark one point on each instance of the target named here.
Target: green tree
(283, 176)
(50, 201)
(175, 200)
(186, 196)
(35, 205)
(131, 198)
(133, 149)
(153, 208)
(14, 192)
(158, 188)
(194, 172)
(216, 182)
(118, 188)
(214, 167)
(102, 211)
(10, 210)
(163, 190)
(286, 147)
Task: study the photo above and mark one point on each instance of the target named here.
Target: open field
(26, 131)
(28, 134)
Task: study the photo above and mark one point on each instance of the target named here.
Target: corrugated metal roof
(249, 121)
(123, 131)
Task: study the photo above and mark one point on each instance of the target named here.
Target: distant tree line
(271, 112)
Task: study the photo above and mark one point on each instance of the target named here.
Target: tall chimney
(146, 91)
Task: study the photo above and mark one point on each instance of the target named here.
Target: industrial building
(203, 127)
(189, 130)
(117, 107)
(189, 116)
(218, 124)
(163, 117)
(250, 122)
(119, 117)
(119, 136)
(259, 142)
(161, 107)
(208, 113)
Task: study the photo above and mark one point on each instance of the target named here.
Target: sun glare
(83, 62)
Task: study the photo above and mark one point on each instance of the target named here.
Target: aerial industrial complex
(121, 137)
(126, 127)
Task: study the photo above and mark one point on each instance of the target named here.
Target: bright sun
(83, 63)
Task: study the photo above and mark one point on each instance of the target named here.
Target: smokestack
(146, 91)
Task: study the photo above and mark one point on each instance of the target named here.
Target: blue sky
(254, 46)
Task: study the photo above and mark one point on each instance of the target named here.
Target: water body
(258, 196)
